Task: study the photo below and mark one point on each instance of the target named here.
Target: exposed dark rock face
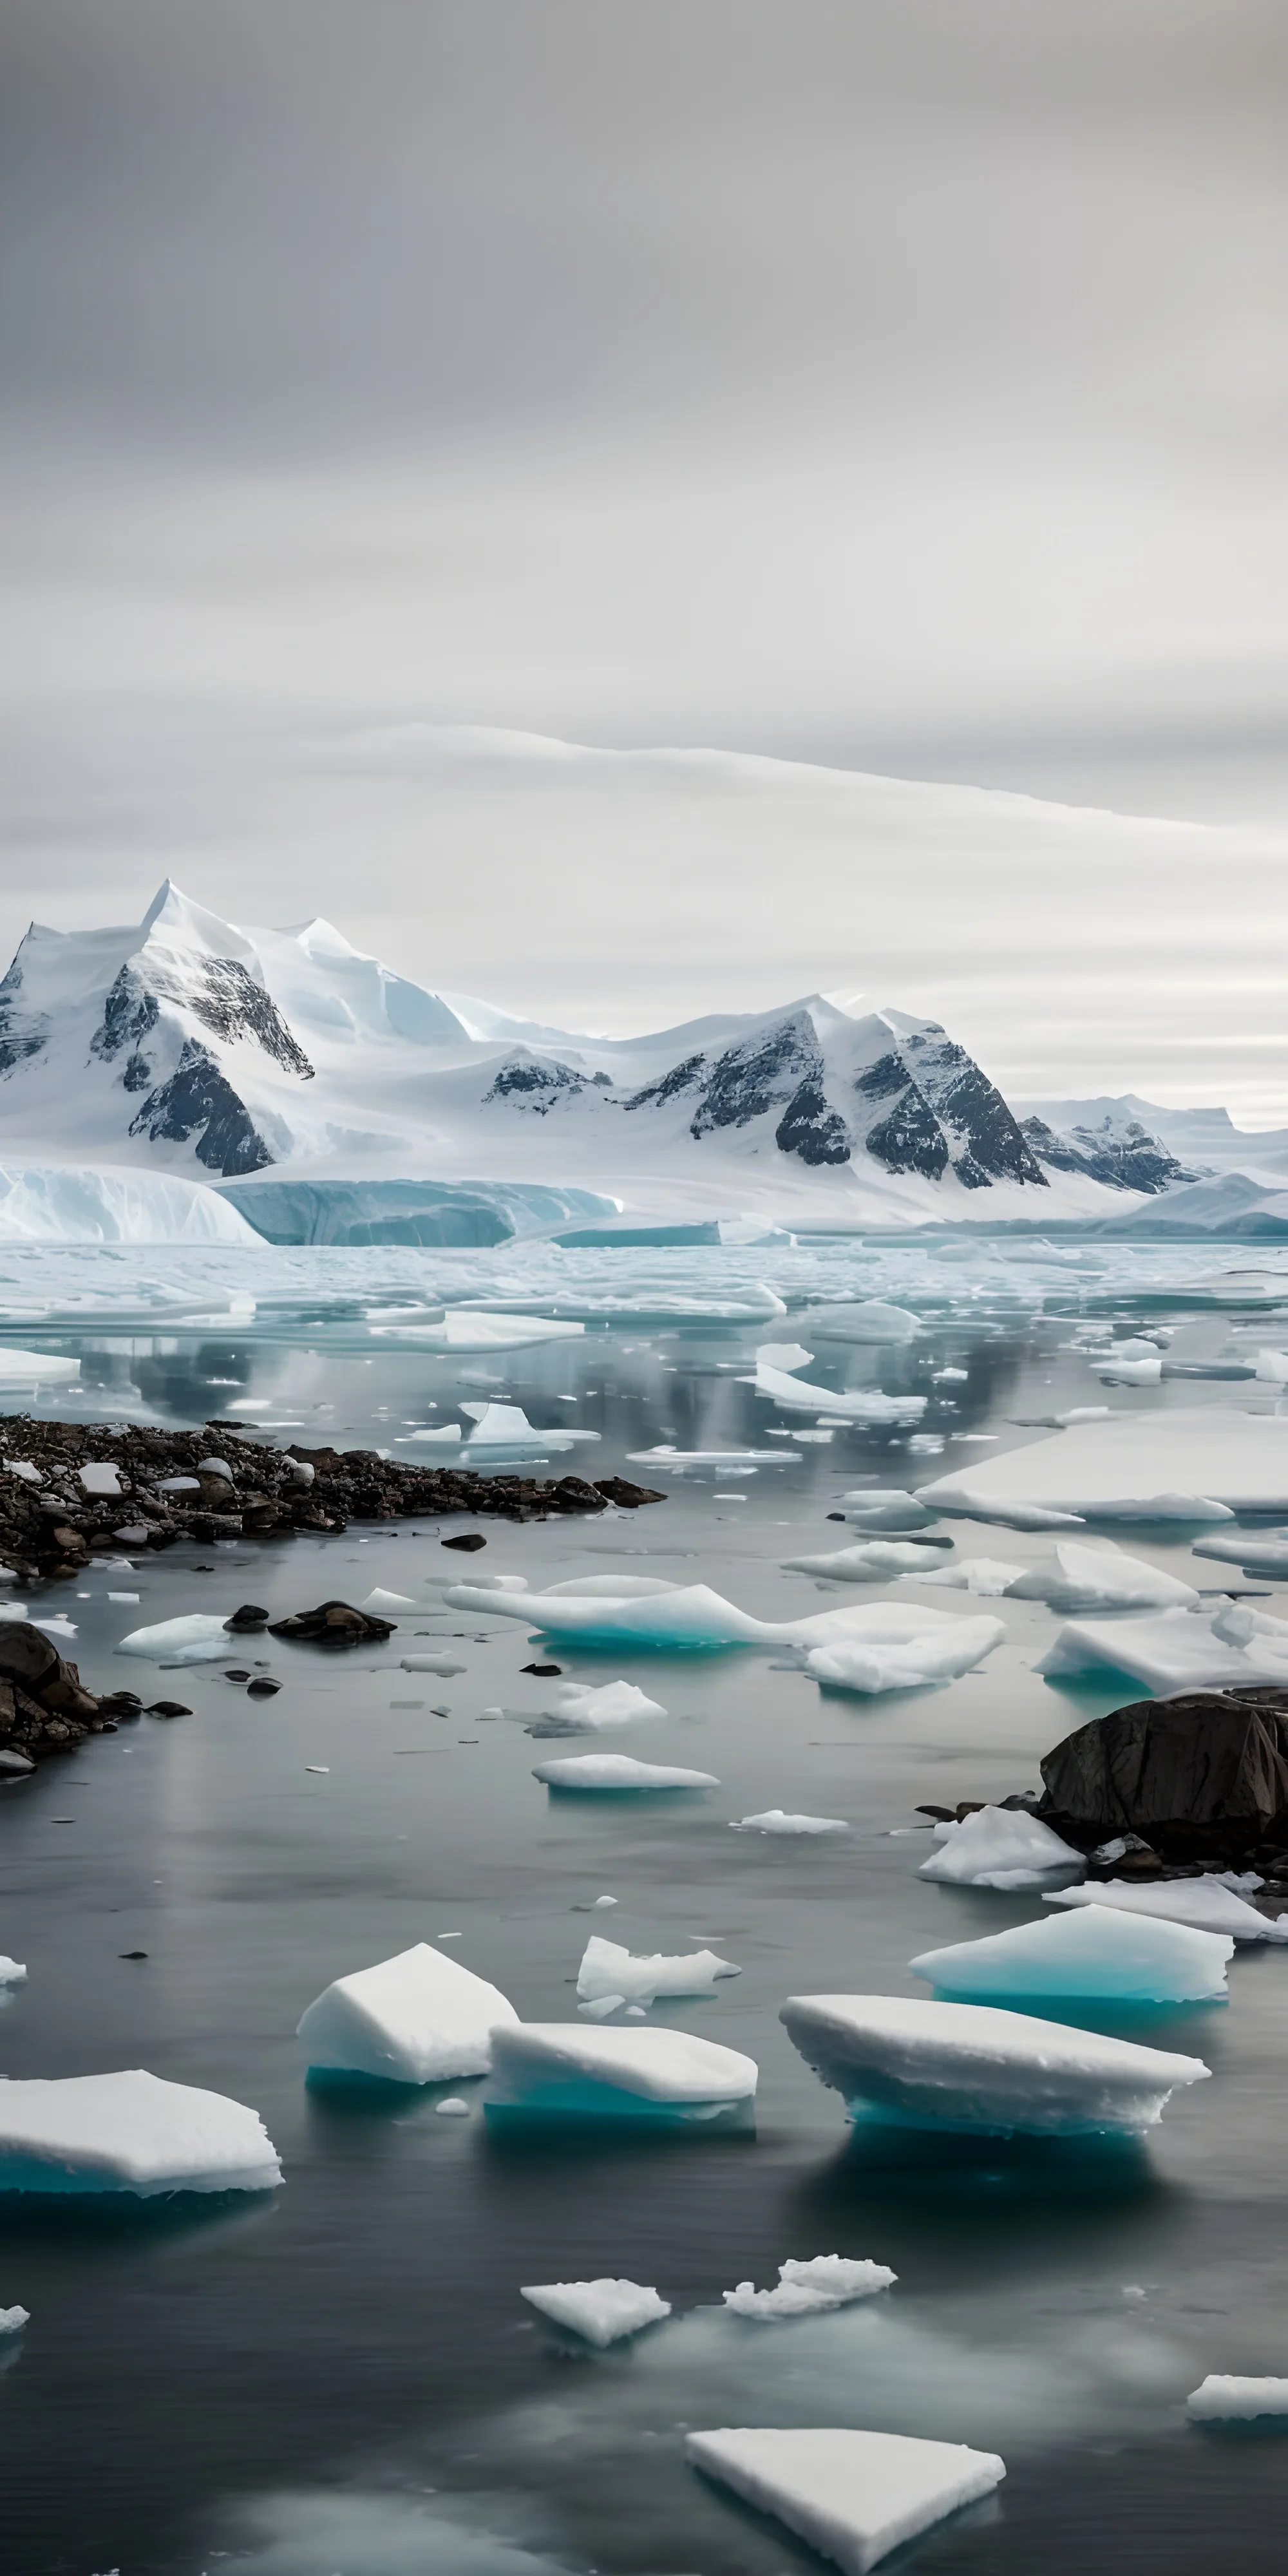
(534, 1083)
(218, 991)
(199, 1097)
(1125, 1158)
(910, 1139)
(53, 1528)
(43, 1708)
(130, 1014)
(810, 1128)
(22, 1033)
(984, 1139)
(682, 1077)
(759, 1075)
(1202, 1777)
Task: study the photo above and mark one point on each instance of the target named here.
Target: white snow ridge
(853, 2496)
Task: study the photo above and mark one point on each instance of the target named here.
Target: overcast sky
(893, 384)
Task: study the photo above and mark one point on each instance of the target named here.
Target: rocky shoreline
(70, 1490)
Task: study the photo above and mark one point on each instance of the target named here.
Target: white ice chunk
(383, 1602)
(806, 2289)
(610, 1771)
(444, 1666)
(894, 1654)
(1262, 1551)
(608, 1969)
(1225, 2400)
(862, 1404)
(977, 2067)
(1002, 1847)
(885, 1507)
(776, 1821)
(12, 2320)
(1175, 1650)
(99, 1476)
(692, 1615)
(1082, 1580)
(601, 2006)
(667, 1457)
(445, 1434)
(601, 2312)
(1200, 1462)
(579, 2072)
(1206, 1903)
(464, 1329)
(23, 1468)
(594, 1709)
(867, 1321)
(453, 2108)
(1095, 1950)
(853, 2496)
(199, 1638)
(414, 2019)
(179, 1485)
(987, 1577)
(25, 1368)
(129, 2132)
(784, 1355)
(873, 1560)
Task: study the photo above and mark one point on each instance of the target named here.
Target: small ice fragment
(1001, 1847)
(1081, 1581)
(987, 1577)
(12, 2320)
(200, 1638)
(608, 1969)
(383, 1602)
(635, 2012)
(453, 2108)
(1223, 2400)
(853, 2496)
(599, 2311)
(417, 2018)
(806, 2289)
(100, 1477)
(12, 1973)
(123, 1596)
(569, 2070)
(776, 1821)
(599, 2008)
(444, 1667)
(591, 1772)
(871, 1560)
(902, 1649)
(601, 1902)
(585, 1708)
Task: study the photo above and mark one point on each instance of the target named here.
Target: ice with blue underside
(1205, 1902)
(601, 2312)
(853, 2496)
(1175, 1650)
(129, 2132)
(1093, 1951)
(978, 2067)
(571, 2070)
(418, 2018)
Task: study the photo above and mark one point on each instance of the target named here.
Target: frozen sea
(343, 2380)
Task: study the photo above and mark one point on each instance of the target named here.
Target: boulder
(333, 1623)
(1201, 1777)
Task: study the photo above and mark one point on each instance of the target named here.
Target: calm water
(343, 2380)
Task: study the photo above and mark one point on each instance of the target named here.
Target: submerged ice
(1095, 1951)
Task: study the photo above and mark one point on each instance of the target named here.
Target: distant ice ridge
(418, 2018)
(977, 2067)
(1176, 1650)
(608, 1969)
(1197, 1463)
(1097, 1951)
(1224, 2400)
(1206, 1903)
(809, 2289)
(853, 2496)
(601, 2312)
(1001, 1847)
(569, 2070)
(82, 1203)
(130, 2132)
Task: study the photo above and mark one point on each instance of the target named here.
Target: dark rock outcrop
(333, 1623)
(1202, 1777)
(44, 1709)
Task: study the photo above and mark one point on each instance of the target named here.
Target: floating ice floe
(1094, 1951)
(617, 1771)
(199, 1638)
(1206, 1903)
(588, 1708)
(129, 2132)
(1195, 1463)
(873, 1560)
(608, 1969)
(12, 1973)
(466, 1328)
(775, 1822)
(640, 1611)
(506, 1429)
(978, 2067)
(1257, 1552)
(886, 1508)
(1221, 2399)
(601, 2312)
(414, 2019)
(794, 1394)
(1175, 1650)
(1001, 1847)
(1082, 1580)
(571, 2071)
(28, 1368)
(383, 1602)
(12, 2320)
(445, 1667)
(853, 2496)
(867, 1320)
(987, 1577)
(808, 2289)
(668, 1458)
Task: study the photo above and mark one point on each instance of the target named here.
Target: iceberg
(198, 1638)
(886, 1508)
(1197, 1463)
(1223, 2400)
(893, 1653)
(977, 2067)
(873, 1560)
(129, 2132)
(1175, 1650)
(586, 1708)
(1087, 1579)
(808, 2289)
(637, 1611)
(1001, 1847)
(12, 1973)
(601, 2312)
(853, 2496)
(987, 1577)
(1206, 1903)
(53, 1203)
(608, 1969)
(572, 2071)
(867, 1320)
(1257, 1552)
(465, 1329)
(775, 1822)
(1094, 1952)
(862, 1404)
(614, 1771)
(417, 2018)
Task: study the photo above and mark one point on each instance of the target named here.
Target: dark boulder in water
(1202, 1777)
(333, 1623)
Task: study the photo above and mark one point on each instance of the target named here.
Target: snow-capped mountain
(1117, 1149)
(194, 1047)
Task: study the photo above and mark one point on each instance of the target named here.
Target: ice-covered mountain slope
(1115, 1147)
(1205, 1140)
(194, 1047)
